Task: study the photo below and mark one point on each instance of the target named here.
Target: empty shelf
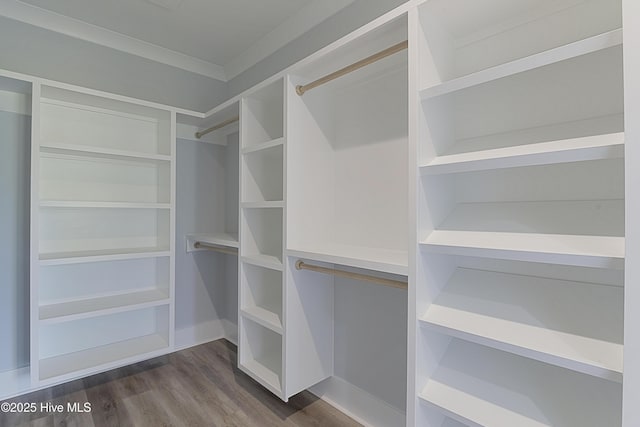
(103, 357)
(263, 375)
(375, 259)
(266, 261)
(581, 330)
(80, 309)
(59, 258)
(571, 50)
(263, 146)
(86, 150)
(264, 317)
(263, 205)
(109, 205)
(485, 387)
(587, 251)
(597, 147)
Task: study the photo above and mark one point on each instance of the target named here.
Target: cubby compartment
(69, 177)
(83, 122)
(461, 37)
(263, 175)
(477, 385)
(347, 160)
(261, 354)
(85, 232)
(71, 349)
(262, 116)
(262, 236)
(262, 296)
(570, 213)
(68, 292)
(531, 113)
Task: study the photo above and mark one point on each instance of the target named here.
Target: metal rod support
(301, 265)
(220, 125)
(301, 89)
(200, 245)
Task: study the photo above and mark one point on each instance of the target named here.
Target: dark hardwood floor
(199, 386)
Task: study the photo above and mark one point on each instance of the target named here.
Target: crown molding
(62, 24)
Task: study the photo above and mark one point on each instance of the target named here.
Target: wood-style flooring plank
(197, 387)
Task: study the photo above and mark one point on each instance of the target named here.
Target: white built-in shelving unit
(102, 267)
(520, 237)
(262, 203)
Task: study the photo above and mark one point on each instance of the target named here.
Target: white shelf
(102, 358)
(81, 309)
(60, 258)
(586, 251)
(263, 317)
(375, 259)
(608, 146)
(484, 387)
(86, 150)
(266, 261)
(513, 313)
(571, 50)
(263, 205)
(263, 146)
(102, 205)
(265, 376)
(226, 240)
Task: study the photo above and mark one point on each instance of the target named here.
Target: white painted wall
(15, 131)
(32, 50)
(206, 282)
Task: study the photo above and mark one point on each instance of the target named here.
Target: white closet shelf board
(271, 204)
(571, 50)
(266, 318)
(226, 240)
(266, 261)
(479, 386)
(15, 382)
(512, 313)
(107, 153)
(586, 251)
(100, 306)
(375, 259)
(102, 205)
(598, 147)
(263, 375)
(59, 258)
(102, 358)
(264, 146)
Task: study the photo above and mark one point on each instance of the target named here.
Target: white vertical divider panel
(631, 49)
(172, 232)
(34, 262)
(285, 312)
(412, 327)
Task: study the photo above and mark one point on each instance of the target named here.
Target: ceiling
(218, 38)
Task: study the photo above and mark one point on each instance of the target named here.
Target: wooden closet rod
(301, 89)
(220, 125)
(200, 245)
(301, 265)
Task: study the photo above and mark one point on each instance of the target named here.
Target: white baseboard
(199, 334)
(363, 407)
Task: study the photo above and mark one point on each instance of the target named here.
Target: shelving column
(103, 234)
(261, 235)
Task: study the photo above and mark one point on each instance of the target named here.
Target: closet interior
(434, 237)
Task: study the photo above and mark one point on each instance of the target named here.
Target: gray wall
(15, 141)
(349, 19)
(32, 50)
